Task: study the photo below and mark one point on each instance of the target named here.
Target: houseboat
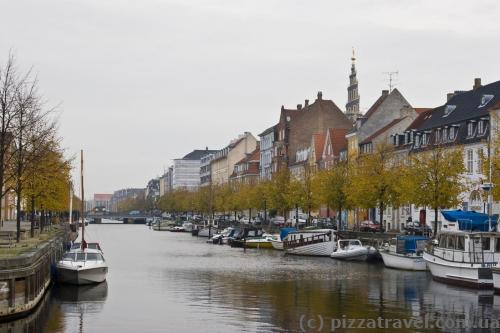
(320, 242)
(466, 249)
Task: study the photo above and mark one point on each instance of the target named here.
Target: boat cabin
(307, 237)
(93, 246)
(92, 255)
(466, 237)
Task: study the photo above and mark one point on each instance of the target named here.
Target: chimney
(385, 92)
(477, 83)
(306, 103)
(282, 107)
(206, 147)
(299, 106)
(449, 96)
(320, 95)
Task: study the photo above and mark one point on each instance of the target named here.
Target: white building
(186, 170)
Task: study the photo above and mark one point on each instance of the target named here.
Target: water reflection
(174, 282)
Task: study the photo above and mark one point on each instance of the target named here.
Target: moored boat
(320, 242)
(465, 250)
(263, 242)
(405, 252)
(350, 249)
(82, 266)
(277, 243)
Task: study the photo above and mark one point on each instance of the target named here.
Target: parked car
(293, 220)
(278, 220)
(134, 212)
(370, 226)
(415, 228)
(245, 220)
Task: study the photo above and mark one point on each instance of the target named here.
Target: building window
(470, 161)
(485, 99)
(448, 109)
(470, 129)
(437, 135)
(480, 160)
(480, 127)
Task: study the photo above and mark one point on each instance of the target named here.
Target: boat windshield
(80, 256)
(69, 256)
(94, 257)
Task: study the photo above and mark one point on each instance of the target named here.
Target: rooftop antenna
(392, 78)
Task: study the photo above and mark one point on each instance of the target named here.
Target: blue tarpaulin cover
(411, 242)
(470, 220)
(285, 231)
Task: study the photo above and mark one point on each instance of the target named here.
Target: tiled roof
(375, 106)
(198, 154)
(382, 130)
(421, 110)
(319, 143)
(338, 139)
(267, 131)
(467, 106)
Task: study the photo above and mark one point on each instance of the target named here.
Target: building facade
(186, 170)
(222, 165)
(266, 153)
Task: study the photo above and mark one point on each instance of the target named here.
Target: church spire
(352, 106)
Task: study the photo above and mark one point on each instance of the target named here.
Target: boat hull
(458, 273)
(496, 279)
(398, 261)
(323, 249)
(259, 245)
(82, 276)
(360, 254)
(277, 245)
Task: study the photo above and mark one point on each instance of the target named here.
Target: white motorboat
(221, 238)
(350, 249)
(320, 242)
(207, 232)
(80, 267)
(465, 251)
(405, 252)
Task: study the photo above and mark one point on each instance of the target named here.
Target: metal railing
(302, 241)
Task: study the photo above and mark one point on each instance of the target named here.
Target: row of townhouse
(239, 160)
(316, 135)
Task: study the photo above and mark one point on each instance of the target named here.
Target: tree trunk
(249, 215)
(32, 222)
(297, 216)
(18, 217)
(340, 218)
(381, 215)
(435, 221)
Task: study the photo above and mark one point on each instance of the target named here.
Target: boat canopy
(470, 220)
(411, 243)
(285, 231)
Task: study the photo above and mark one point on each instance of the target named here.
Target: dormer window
(417, 141)
(437, 135)
(471, 127)
(452, 134)
(481, 127)
(449, 109)
(485, 99)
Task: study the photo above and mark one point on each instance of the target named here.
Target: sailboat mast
(82, 199)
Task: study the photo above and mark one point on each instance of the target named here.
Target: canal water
(173, 282)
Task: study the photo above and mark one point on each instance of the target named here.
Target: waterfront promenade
(25, 268)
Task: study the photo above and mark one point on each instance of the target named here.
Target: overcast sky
(142, 82)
